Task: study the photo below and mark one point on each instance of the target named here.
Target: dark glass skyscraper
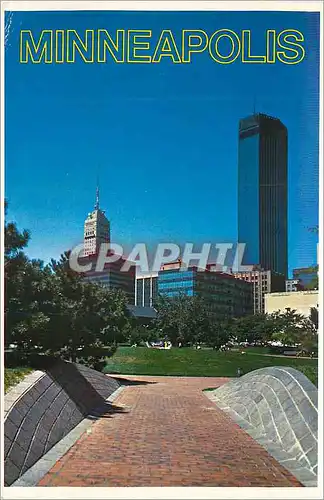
(262, 191)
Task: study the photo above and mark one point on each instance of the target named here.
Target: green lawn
(14, 375)
(203, 363)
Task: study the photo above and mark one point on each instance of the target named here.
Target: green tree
(309, 341)
(217, 333)
(294, 329)
(141, 333)
(91, 318)
(26, 297)
(313, 316)
(20, 275)
(53, 310)
(14, 240)
(190, 320)
(252, 328)
(182, 319)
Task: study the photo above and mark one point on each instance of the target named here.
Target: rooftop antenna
(254, 104)
(97, 195)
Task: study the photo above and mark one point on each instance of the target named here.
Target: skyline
(182, 147)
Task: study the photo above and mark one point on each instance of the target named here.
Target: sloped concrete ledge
(44, 408)
(17, 391)
(277, 406)
(45, 463)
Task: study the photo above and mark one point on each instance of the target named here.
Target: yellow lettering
(166, 46)
(36, 52)
(116, 49)
(188, 43)
(213, 46)
(284, 41)
(134, 46)
(85, 49)
(246, 49)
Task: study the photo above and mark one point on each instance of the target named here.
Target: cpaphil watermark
(221, 257)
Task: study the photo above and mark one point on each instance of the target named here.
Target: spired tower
(96, 229)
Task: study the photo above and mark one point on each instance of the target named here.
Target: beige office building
(263, 282)
(302, 301)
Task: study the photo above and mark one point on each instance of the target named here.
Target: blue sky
(163, 138)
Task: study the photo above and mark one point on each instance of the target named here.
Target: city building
(171, 265)
(306, 275)
(262, 192)
(112, 276)
(293, 285)
(96, 229)
(301, 302)
(142, 315)
(262, 282)
(146, 290)
(225, 295)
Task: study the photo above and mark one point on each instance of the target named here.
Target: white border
(2, 250)
(161, 493)
(150, 5)
(172, 492)
(321, 263)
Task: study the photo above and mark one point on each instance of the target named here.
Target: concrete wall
(278, 407)
(45, 407)
(301, 301)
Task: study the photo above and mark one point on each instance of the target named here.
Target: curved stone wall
(277, 405)
(45, 407)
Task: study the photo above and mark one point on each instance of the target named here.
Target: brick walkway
(169, 434)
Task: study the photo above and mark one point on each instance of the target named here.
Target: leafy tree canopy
(53, 310)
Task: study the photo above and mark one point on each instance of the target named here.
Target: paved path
(167, 433)
(281, 356)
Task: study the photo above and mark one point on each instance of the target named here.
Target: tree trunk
(73, 357)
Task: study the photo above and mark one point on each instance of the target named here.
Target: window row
(176, 293)
(176, 284)
(166, 276)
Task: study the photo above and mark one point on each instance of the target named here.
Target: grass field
(14, 375)
(198, 363)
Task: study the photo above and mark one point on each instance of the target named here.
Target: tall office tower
(262, 192)
(112, 276)
(96, 229)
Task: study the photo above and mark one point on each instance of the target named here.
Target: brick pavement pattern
(163, 431)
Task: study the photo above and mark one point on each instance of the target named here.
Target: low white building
(146, 289)
(301, 302)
